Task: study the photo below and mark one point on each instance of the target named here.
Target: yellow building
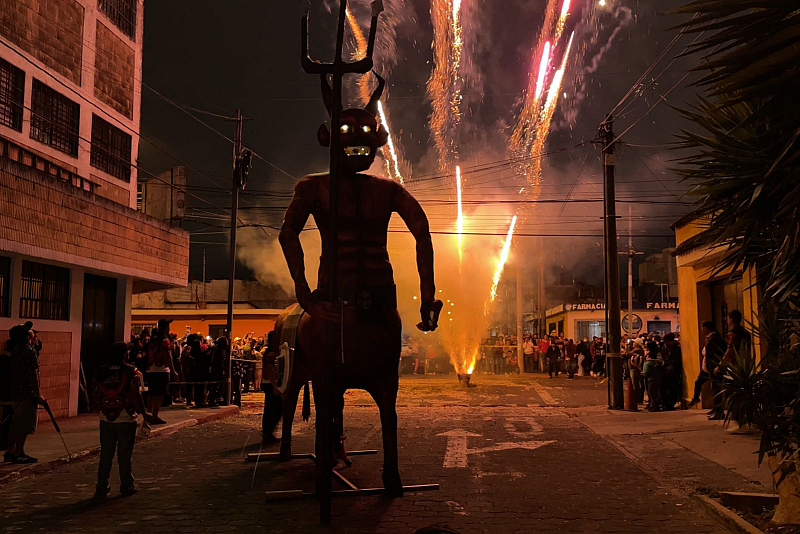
(707, 295)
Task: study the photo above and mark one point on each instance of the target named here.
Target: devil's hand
(316, 306)
(429, 311)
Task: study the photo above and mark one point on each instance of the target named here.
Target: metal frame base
(351, 489)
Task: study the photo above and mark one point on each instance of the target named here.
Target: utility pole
(241, 167)
(540, 294)
(630, 253)
(613, 306)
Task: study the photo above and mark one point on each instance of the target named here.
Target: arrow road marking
(530, 445)
(456, 454)
(457, 450)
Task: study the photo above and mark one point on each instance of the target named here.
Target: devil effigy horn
(372, 107)
(327, 92)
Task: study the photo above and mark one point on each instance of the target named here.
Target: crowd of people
(193, 369)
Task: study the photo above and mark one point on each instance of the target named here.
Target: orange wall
(259, 324)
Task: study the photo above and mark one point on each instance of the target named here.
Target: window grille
(12, 94)
(5, 286)
(111, 149)
(45, 292)
(122, 13)
(55, 119)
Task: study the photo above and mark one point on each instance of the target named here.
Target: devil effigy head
(359, 133)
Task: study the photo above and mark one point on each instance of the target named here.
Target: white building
(73, 249)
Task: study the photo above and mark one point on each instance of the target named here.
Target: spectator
(176, 390)
(584, 357)
(738, 336)
(118, 397)
(219, 371)
(570, 355)
(652, 373)
(529, 354)
(672, 378)
(598, 358)
(187, 366)
(24, 392)
(713, 352)
(636, 365)
(202, 370)
(544, 344)
(553, 357)
(159, 358)
(273, 403)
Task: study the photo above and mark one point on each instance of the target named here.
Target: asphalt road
(508, 455)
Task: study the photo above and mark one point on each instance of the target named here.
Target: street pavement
(514, 454)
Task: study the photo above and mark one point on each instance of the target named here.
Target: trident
(337, 69)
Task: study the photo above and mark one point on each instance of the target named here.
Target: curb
(726, 516)
(50, 465)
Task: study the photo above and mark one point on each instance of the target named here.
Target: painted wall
(258, 323)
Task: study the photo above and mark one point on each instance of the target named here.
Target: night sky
(217, 57)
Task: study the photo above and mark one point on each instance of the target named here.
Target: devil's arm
(417, 222)
(293, 222)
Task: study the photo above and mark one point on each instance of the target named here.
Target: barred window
(5, 286)
(111, 149)
(55, 119)
(122, 13)
(45, 292)
(12, 94)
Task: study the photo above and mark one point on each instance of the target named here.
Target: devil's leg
(289, 409)
(385, 395)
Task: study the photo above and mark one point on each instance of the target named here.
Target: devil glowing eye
(366, 129)
(345, 128)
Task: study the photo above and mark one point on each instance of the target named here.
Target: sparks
(460, 218)
(542, 69)
(393, 167)
(501, 262)
(565, 10)
(390, 144)
(445, 83)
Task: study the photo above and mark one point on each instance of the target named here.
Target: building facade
(202, 307)
(708, 295)
(577, 320)
(73, 248)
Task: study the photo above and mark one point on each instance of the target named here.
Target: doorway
(726, 295)
(97, 330)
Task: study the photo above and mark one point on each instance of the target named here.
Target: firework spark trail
(460, 218)
(390, 143)
(542, 70)
(365, 94)
(359, 52)
(444, 85)
(501, 262)
(533, 124)
(546, 117)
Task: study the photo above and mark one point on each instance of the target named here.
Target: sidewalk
(82, 437)
(683, 448)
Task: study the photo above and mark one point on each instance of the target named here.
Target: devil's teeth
(357, 150)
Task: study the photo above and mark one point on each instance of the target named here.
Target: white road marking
(457, 450)
(544, 394)
(530, 445)
(456, 454)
